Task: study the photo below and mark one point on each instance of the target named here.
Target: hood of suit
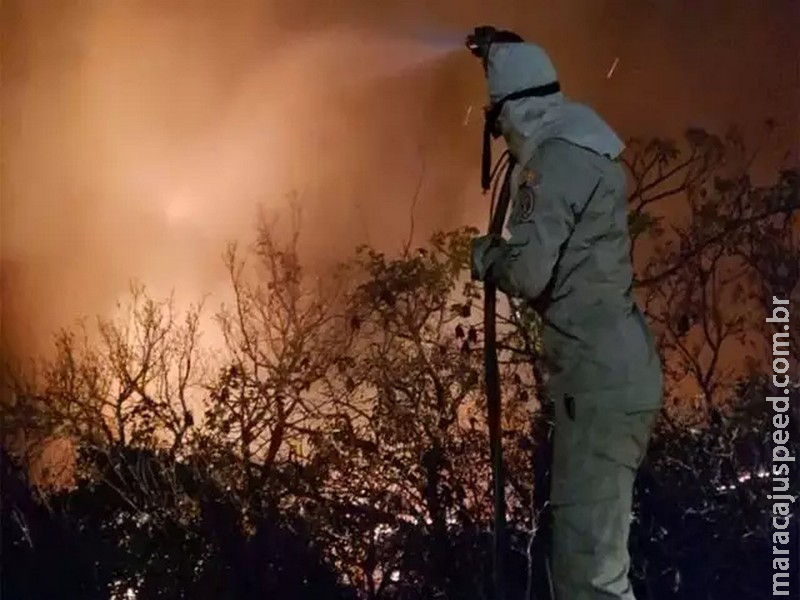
(527, 122)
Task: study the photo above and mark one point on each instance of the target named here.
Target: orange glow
(140, 136)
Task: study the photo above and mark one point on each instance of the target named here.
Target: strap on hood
(518, 69)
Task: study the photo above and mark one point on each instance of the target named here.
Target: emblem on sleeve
(529, 177)
(525, 200)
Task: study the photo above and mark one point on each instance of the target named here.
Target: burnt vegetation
(336, 445)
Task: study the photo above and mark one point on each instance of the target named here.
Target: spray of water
(359, 56)
(143, 165)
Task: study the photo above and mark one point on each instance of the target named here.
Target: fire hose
(493, 390)
(499, 180)
(501, 198)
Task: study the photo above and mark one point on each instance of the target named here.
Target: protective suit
(568, 254)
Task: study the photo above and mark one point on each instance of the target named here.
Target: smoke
(140, 136)
(140, 142)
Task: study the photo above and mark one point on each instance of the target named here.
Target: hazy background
(138, 136)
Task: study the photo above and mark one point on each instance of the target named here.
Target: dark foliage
(338, 449)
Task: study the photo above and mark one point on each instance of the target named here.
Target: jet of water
(352, 55)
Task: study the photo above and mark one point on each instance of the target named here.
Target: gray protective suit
(568, 253)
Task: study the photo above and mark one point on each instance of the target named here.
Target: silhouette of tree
(336, 447)
(705, 257)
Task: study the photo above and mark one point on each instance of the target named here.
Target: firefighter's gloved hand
(487, 251)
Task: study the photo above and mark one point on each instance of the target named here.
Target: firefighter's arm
(540, 223)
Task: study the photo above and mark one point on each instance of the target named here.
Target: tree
(703, 261)
(282, 337)
(336, 446)
(703, 520)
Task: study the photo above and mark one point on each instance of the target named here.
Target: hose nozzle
(482, 37)
(479, 40)
(479, 43)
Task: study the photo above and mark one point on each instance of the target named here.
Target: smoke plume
(140, 136)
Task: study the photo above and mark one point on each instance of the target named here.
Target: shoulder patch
(529, 177)
(525, 200)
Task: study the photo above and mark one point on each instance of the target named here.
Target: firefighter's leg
(597, 450)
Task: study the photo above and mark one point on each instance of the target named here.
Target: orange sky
(139, 136)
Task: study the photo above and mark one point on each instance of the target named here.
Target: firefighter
(567, 253)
